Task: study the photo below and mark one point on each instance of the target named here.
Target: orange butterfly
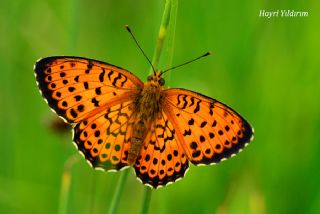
(119, 121)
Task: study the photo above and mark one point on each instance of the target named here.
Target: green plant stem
(162, 34)
(146, 200)
(66, 183)
(171, 36)
(167, 28)
(119, 189)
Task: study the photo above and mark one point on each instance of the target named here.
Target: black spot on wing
(101, 75)
(124, 81)
(115, 80)
(185, 102)
(192, 101)
(226, 153)
(110, 74)
(197, 107)
(40, 67)
(95, 161)
(156, 181)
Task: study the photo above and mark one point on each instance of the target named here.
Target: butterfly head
(156, 79)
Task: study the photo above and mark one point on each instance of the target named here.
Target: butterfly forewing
(208, 130)
(78, 87)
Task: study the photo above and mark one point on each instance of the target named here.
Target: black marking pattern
(183, 101)
(101, 141)
(165, 165)
(57, 74)
(101, 75)
(205, 128)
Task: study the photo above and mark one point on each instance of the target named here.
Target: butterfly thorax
(147, 105)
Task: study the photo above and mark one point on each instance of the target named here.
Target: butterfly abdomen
(147, 106)
(139, 132)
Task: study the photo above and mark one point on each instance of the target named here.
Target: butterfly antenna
(177, 66)
(134, 38)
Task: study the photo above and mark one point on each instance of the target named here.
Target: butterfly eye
(161, 82)
(149, 78)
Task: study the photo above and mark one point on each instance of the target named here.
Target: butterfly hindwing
(105, 137)
(76, 87)
(209, 131)
(162, 160)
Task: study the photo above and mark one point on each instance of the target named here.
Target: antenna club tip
(208, 53)
(128, 28)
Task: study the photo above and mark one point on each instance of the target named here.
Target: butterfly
(119, 121)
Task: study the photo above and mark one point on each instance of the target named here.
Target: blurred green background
(266, 69)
